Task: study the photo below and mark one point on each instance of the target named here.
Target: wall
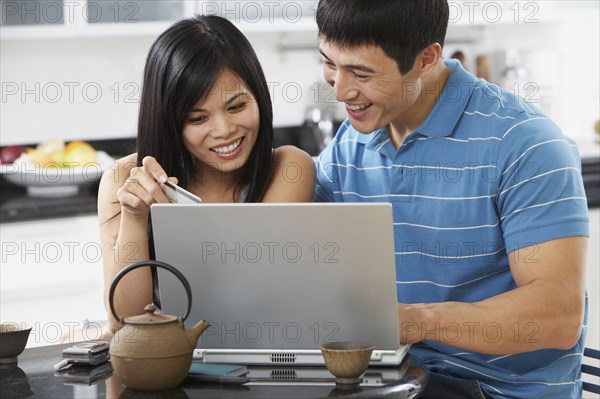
(70, 88)
(87, 88)
(562, 55)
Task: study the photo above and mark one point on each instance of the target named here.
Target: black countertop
(590, 170)
(16, 205)
(34, 377)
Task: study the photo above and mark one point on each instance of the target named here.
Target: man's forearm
(528, 318)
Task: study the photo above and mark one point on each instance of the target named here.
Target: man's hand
(544, 311)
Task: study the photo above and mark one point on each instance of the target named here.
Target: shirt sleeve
(540, 195)
(324, 192)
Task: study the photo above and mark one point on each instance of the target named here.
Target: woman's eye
(237, 107)
(198, 119)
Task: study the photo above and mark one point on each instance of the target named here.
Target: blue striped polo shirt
(484, 175)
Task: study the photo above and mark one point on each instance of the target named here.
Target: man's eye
(361, 77)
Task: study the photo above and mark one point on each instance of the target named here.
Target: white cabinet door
(51, 276)
(264, 15)
(593, 281)
(33, 19)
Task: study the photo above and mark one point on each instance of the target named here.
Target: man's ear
(429, 58)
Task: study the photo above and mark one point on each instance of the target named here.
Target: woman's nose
(223, 126)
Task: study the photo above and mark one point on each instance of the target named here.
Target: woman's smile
(228, 151)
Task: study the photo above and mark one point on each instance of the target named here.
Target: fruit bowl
(50, 181)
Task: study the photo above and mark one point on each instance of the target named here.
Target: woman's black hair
(181, 68)
(402, 28)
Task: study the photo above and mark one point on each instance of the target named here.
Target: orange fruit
(79, 154)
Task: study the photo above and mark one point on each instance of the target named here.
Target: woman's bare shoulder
(289, 155)
(294, 176)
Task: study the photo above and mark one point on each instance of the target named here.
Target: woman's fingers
(154, 169)
(148, 181)
(141, 189)
(130, 202)
(134, 187)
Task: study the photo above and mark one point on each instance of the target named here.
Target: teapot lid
(150, 317)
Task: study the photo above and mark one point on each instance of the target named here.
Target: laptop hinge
(199, 355)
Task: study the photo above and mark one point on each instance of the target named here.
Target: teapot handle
(155, 263)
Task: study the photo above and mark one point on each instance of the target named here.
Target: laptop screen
(281, 276)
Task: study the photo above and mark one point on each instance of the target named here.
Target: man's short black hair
(402, 28)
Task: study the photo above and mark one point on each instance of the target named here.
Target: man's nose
(342, 88)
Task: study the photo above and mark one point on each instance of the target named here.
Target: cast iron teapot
(153, 351)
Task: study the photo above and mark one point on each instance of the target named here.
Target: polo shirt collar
(451, 103)
(444, 115)
(376, 141)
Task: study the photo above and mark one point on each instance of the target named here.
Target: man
(489, 210)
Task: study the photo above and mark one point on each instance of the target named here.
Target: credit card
(178, 195)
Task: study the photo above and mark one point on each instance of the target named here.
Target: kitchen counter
(34, 377)
(16, 205)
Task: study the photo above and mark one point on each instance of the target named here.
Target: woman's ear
(429, 59)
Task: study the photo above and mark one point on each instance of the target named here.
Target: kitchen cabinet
(265, 16)
(33, 12)
(593, 281)
(29, 19)
(46, 19)
(51, 276)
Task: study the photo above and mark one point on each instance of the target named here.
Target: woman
(205, 123)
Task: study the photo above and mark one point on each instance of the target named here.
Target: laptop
(277, 280)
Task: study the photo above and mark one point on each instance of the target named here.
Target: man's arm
(545, 310)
